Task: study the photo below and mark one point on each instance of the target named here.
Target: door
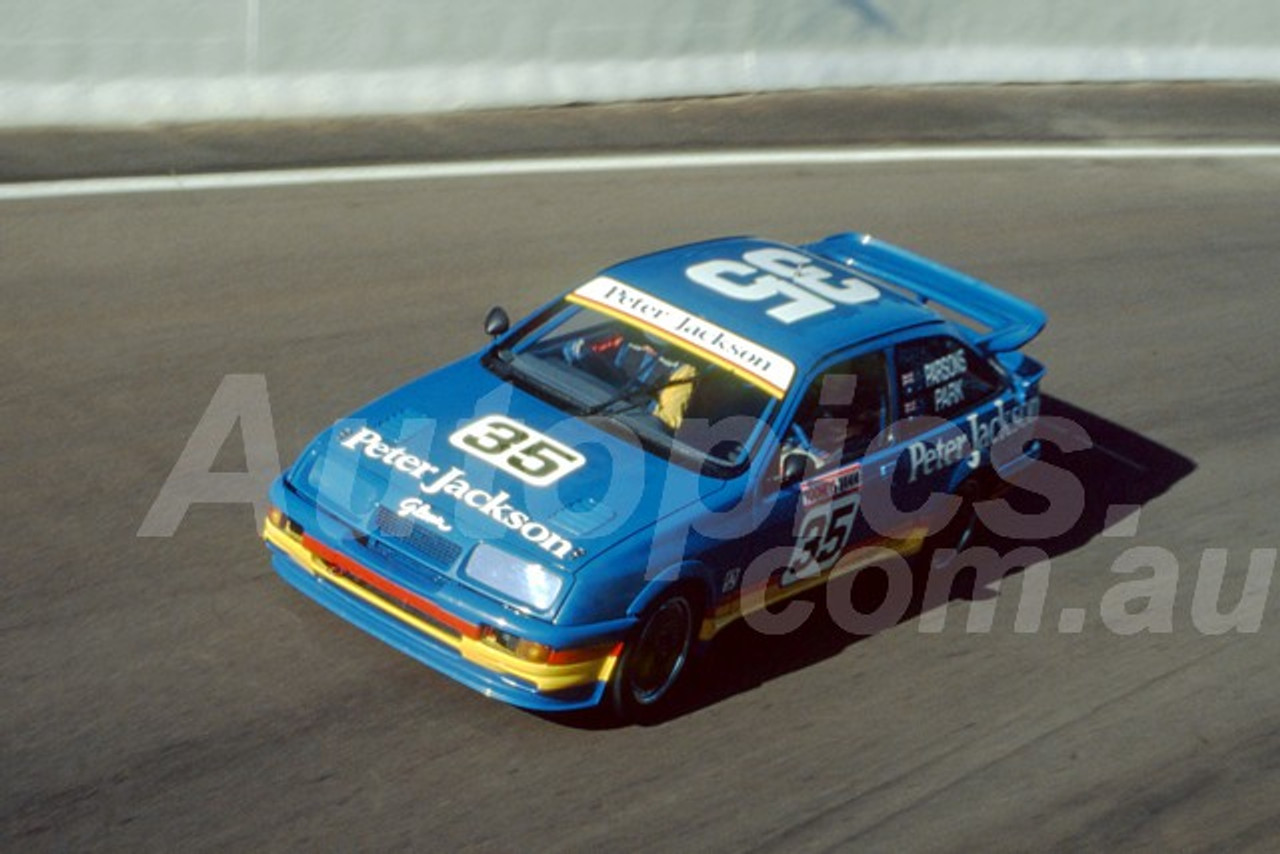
(843, 409)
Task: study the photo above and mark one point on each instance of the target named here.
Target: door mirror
(793, 469)
(496, 322)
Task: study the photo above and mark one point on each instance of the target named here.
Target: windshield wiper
(630, 393)
(508, 366)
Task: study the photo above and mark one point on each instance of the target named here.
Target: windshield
(674, 400)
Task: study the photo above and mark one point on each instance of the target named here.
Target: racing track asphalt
(172, 692)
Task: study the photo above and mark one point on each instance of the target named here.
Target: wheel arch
(695, 577)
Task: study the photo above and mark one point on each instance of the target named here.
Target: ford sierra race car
(563, 519)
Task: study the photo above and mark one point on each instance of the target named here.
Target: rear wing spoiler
(1011, 321)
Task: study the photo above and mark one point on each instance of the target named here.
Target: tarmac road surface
(172, 692)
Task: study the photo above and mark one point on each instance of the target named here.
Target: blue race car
(691, 437)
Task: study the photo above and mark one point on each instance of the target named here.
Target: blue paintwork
(1012, 321)
(662, 274)
(637, 523)
(430, 652)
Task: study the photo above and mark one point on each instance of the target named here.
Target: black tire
(654, 658)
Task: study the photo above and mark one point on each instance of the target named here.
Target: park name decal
(451, 483)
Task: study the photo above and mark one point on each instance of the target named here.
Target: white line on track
(616, 163)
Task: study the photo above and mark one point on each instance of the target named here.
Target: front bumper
(451, 643)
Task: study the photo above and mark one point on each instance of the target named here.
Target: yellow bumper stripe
(546, 677)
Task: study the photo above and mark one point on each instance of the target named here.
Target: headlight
(527, 583)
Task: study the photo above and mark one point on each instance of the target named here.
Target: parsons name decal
(492, 505)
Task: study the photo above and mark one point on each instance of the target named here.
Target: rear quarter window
(942, 376)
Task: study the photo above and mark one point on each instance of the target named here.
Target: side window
(842, 410)
(941, 376)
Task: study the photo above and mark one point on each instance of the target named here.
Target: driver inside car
(627, 364)
(838, 417)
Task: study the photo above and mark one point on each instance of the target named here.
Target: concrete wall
(131, 61)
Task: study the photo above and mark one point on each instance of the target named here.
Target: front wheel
(652, 661)
(961, 532)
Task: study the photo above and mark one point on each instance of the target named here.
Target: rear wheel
(945, 546)
(653, 660)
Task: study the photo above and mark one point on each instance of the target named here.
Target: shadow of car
(1119, 472)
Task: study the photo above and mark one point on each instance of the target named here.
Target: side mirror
(496, 322)
(793, 469)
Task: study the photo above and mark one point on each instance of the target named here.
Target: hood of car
(460, 456)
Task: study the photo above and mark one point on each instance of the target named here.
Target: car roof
(805, 341)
